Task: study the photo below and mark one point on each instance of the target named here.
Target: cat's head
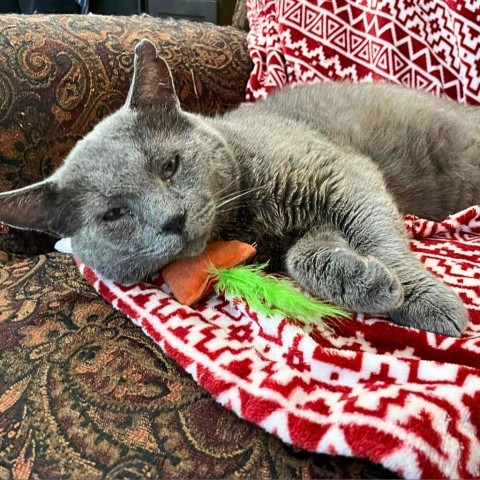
(138, 191)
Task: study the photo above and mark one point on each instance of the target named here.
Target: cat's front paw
(361, 284)
(348, 279)
(433, 307)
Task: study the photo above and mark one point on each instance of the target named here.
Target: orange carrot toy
(190, 279)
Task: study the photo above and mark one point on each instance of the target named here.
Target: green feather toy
(272, 296)
(219, 269)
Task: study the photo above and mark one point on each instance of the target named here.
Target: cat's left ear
(152, 84)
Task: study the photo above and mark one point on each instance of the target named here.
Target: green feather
(270, 295)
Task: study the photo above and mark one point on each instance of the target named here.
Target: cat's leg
(369, 223)
(323, 262)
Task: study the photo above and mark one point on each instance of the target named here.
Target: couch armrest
(60, 74)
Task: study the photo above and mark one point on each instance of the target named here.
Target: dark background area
(42, 6)
(214, 11)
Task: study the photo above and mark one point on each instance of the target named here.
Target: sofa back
(61, 74)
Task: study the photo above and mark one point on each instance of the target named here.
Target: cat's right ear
(41, 207)
(152, 84)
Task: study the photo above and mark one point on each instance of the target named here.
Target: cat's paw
(346, 278)
(367, 285)
(362, 284)
(433, 307)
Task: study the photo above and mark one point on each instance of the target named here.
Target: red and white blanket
(407, 399)
(401, 397)
(432, 45)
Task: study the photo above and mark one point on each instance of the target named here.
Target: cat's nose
(175, 225)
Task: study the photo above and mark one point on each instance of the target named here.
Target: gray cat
(318, 176)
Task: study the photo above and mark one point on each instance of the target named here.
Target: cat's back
(420, 142)
(376, 119)
(365, 109)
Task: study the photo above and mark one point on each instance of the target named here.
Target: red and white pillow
(432, 45)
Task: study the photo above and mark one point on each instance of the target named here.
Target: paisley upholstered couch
(83, 393)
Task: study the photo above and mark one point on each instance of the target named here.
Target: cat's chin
(136, 274)
(144, 272)
(143, 268)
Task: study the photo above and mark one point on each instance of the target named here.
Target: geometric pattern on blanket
(432, 45)
(404, 398)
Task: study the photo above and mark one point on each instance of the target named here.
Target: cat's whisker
(248, 190)
(229, 184)
(236, 192)
(145, 252)
(226, 200)
(246, 203)
(235, 207)
(69, 202)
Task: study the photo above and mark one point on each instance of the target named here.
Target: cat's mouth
(187, 245)
(154, 265)
(194, 246)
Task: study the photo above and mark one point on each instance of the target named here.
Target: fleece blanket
(401, 397)
(433, 45)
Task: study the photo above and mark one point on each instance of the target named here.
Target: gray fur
(318, 176)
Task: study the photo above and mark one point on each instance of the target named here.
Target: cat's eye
(115, 214)
(170, 167)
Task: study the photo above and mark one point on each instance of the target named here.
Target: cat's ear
(40, 207)
(152, 83)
